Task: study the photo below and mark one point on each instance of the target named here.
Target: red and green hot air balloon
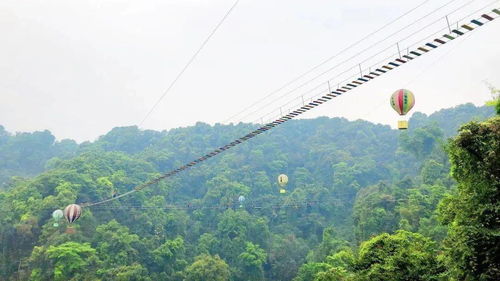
(402, 101)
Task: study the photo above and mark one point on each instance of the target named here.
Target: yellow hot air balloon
(282, 181)
(402, 101)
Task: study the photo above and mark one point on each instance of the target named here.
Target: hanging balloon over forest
(402, 101)
(282, 181)
(72, 212)
(57, 216)
(241, 199)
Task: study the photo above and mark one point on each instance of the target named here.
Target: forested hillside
(364, 202)
(25, 154)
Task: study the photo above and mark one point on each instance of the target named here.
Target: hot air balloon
(282, 181)
(241, 199)
(57, 215)
(72, 212)
(402, 101)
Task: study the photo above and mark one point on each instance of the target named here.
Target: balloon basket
(282, 191)
(70, 230)
(402, 125)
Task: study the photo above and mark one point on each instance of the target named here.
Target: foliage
(473, 244)
(252, 261)
(26, 154)
(364, 202)
(68, 261)
(209, 268)
(495, 102)
(402, 256)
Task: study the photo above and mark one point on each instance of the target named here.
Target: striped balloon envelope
(402, 101)
(72, 212)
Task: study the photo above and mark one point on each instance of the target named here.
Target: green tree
(208, 268)
(495, 94)
(309, 271)
(473, 244)
(169, 257)
(235, 229)
(134, 272)
(252, 260)
(68, 261)
(374, 211)
(330, 244)
(333, 274)
(115, 245)
(343, 259)
(286, 255)
(206, 244)
(421, 141)
(402, 256)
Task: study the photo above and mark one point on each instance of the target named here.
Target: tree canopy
(363, 202)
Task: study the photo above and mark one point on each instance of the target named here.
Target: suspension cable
(190, 61)
(381, 70)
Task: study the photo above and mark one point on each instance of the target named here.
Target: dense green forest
(364, 202)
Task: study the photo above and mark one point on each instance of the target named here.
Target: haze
(80, 68)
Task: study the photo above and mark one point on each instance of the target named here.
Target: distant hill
(27, 154)
(450, 119)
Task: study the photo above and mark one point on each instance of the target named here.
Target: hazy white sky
(80, 68)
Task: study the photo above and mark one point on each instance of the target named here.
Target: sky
(80, 68)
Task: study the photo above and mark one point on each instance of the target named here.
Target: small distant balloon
(241, 199)
(72, 212)
(282, 181)
(57, 215)
(402, 101)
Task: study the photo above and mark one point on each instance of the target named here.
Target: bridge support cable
(332, 94)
